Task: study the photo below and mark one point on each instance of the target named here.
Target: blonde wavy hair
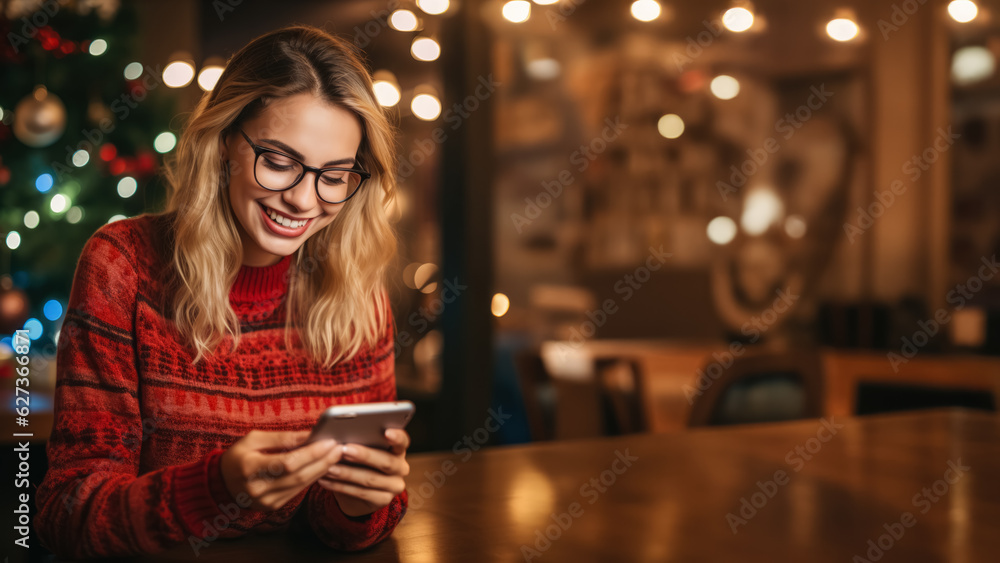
(336, 294)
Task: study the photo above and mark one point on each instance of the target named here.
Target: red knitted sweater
(134, 451)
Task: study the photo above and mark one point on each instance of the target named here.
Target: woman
(201, 344)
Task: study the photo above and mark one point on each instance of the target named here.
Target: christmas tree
(84, 126)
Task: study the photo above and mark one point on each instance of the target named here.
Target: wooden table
(672, 502)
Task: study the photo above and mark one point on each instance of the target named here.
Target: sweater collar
(260, 283)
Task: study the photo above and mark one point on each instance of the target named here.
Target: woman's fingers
(274, 490)
(376, 497)
(308, 469)
(278, 465)
(386, 462)
(398, 439)
(291, 462)
(272, 467)
(365, 477)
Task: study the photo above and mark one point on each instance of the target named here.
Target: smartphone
(362, 423)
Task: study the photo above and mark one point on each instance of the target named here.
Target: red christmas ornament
(48, 37)
(145, 164)
(108, 152)
(135, 88)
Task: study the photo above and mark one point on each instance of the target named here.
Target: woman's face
(316, 133)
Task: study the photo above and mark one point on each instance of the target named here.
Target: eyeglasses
(276, 171)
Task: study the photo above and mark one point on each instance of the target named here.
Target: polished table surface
(824, 492)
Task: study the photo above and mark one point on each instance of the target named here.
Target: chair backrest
(609, 402)
(534, 380)
(624, 394)
(580, 411)
(760, 386)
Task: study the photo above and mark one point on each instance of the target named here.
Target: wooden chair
(624, 392)
(535, 382)
(610, 402)
(758, 367)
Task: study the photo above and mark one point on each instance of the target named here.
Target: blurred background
(616, 216)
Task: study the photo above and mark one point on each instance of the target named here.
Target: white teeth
(283, 221)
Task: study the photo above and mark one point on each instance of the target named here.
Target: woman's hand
(261, 466)
(363, 490)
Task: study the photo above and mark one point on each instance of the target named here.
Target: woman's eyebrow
(298, 155)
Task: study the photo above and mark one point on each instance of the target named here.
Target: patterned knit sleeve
(92, 502)
(320, 509)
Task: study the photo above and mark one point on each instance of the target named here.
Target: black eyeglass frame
(259, 150)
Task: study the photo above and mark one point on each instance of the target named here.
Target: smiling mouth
(282, 220)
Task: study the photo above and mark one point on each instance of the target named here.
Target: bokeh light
(963, 11)
(43, 182)
(724, 87)
(386, 93)
(433, 7)
(165, 142)
(209, 77)
(426, 107)
(645, 10)
(972, 64)
(34, 328)
(178, 74)
(842, 29)
(517, 11)
(81, 158)
(97, 47)
(670, 126)
(59, 203)
(425, 49)
(403, 20)
(795, 226)
(500, 305)
(738, 19)
(721, 230)
(127, 187)
(52, 310)
(761, 209)
(132, 71)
